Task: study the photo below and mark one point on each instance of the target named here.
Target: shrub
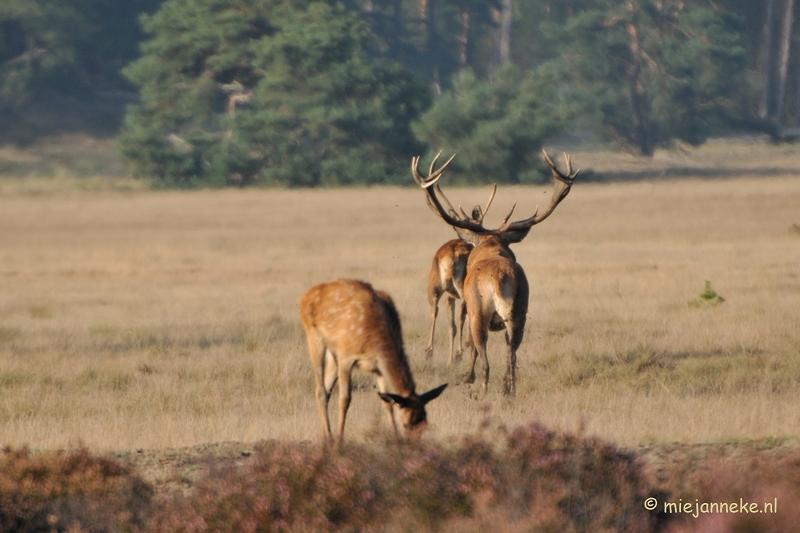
(750, 479)
(540, 479)
(56, 491)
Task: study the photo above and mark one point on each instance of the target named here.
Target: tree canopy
(644, 73)
(268, 91)
(326, 92)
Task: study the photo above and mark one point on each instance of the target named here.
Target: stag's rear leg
(461, 320)
(480, 336)
(514, 322)
(514, 332)
(433, 299)
(470, 378)
(451, 323)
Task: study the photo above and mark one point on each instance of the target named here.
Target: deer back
(356, 321)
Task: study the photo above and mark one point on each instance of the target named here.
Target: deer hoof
(509, 387)
(470, 378)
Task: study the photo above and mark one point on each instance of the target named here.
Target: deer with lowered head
(349, 325)
(448, 270)
(495, 287)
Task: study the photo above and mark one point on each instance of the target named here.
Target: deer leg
(344, 396)
(322, 360)
(470, 378)
(433, 298)
(462, 318)
(480, 336)
(510, 379)
(514, 333)
(451, 323)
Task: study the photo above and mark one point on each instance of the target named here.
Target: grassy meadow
(150, 319)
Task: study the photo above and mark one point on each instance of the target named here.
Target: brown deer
(349, 325)
(495, 287)
(446, 278)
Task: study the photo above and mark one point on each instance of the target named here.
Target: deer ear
(469, 237)
(394, 398)
(432, 394)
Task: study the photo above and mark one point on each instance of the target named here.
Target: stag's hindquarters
(496, 291)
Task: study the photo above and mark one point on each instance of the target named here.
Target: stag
(349, 325)
(446, 278)
(495, 287)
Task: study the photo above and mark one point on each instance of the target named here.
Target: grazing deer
(446, 278)
(495, 287)
(350, 325)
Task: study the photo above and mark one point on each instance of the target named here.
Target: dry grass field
(134, 319)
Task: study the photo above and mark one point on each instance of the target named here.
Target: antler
(432, 176)
(562, 183)
(561, 187)
(448, 215)
(478, 212)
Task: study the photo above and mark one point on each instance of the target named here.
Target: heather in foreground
(70, 491)
(519, 480)
(536, 479)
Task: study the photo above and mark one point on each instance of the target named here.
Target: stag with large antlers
(448, 270)
(349, 325)
(495, 287)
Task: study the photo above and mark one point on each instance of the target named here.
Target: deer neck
(396, 375)
(490, 245)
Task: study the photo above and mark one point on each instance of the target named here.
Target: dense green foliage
(315, 108)
(318, 92)
(497, 128)
(642, 74)
(67, 45)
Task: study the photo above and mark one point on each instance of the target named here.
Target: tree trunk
(638, 98)
(797, 86)
(783, 65)
(766, 82)
(428, 12)
(463, 39)
(502, 52)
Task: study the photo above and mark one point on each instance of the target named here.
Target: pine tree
(645, 72)
(497, 128)
(268, 91)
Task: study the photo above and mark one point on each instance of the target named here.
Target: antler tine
(561, 186)
(438, 173)
(505, 220)
(433, 194)
(570, 176)
(415, 171)
(546, 159)
(464, 213)
(433, 163)
(488, 203)
(421, 180)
